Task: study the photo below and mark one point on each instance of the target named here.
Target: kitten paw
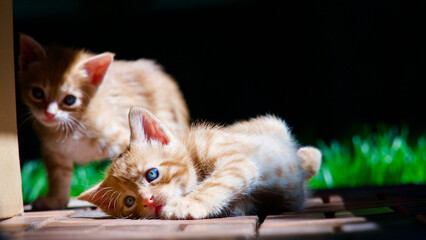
(184, 209)
(48, 203)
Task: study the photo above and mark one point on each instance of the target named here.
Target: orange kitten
(251, 167)
(80, 102)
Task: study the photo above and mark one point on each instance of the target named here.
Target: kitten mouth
(158, 209)
(52, 122)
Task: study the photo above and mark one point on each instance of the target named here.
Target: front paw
(49, 203)
(184, 208)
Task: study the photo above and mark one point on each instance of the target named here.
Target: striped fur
(251, 167)
(96, 126)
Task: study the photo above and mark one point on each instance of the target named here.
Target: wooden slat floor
(358, 213)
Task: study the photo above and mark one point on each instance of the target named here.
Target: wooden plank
(10, 176)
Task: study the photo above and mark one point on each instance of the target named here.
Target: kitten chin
(251, 167)
(79, 102)
(49, 122)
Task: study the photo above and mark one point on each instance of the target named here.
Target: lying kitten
(251, 167)
(80, 102)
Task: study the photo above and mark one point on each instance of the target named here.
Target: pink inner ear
(153, 131)
(97, 67)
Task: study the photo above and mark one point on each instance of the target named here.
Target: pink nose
(49, 115)
(148, 201)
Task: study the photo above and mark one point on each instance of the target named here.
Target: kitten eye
(129, 201)
(70, 100)
(37, 93)
(152, 174)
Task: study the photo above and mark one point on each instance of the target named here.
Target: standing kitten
(80, 102)
(251, 167)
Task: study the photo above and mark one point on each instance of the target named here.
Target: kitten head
(57, 83)
(153, 171)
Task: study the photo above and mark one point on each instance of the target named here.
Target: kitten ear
(96, 67)
(30, 51)
(144, 126)
(98, 195)
(89, 194)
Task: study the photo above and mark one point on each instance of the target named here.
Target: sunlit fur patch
(250, 168)
(95, 127)
(127, 175)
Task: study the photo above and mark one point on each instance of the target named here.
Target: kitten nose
(148, 201)
(49, 115)
(51, 110)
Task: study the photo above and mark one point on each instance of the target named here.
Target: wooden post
(10, 175)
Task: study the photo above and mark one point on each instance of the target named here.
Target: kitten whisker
(63, 135)
(60, 138)
(28, 116)
(99, 190)
(68, 129)
(72, 126)
(80, 126)
(29, 119)
(115, 210)
(66, 126)
(111, 198)
(104, 196)
(58, 126)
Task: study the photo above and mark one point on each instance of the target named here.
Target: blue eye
(152, 174)
(70, 100)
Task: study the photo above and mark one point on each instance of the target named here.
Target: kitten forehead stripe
(172, 163)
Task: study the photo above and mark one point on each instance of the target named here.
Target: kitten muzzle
(49, 116)
(158, 209)
(149, 202)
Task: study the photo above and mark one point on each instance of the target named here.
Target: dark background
(327, 67)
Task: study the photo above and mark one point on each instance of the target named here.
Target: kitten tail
(311, 160)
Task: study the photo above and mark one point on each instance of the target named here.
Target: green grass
(385, 157)
(34, 178)
(380, 158)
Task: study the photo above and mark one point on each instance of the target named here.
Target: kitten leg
(211, 197)
(59, 172)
